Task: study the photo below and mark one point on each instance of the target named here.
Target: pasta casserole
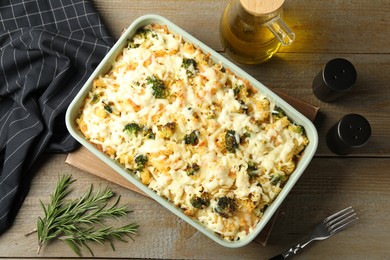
(192, 131)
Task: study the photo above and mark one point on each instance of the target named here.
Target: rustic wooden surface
(357, 30)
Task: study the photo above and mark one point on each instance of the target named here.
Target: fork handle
(293, 250)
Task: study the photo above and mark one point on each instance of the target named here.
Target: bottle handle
(281, 31)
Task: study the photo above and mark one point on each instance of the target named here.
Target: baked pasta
(192, 131)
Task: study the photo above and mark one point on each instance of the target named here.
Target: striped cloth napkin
(48, 49)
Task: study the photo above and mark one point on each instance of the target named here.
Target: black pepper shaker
(350, 132)
(334, 80)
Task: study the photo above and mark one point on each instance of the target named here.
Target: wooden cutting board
(87, 161)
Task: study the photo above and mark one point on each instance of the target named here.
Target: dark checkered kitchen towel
(48, 48)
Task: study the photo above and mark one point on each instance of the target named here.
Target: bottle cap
(334, 80)
(350, 132)
(261, 7)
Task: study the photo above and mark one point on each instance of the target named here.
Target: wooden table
(357, 30)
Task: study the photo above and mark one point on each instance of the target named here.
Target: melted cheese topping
(192, 131)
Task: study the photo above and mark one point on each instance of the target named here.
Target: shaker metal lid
(354, 130)
(260, 7)
(339, 74)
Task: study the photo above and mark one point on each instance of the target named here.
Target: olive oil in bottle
(246, 30)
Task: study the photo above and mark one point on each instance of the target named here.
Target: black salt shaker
(350, 132)
(334, 80)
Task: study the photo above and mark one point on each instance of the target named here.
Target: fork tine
(337, 214)
(340, 220)
(344, 225)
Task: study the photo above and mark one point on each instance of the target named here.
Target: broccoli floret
(192, 169)
(158, 87)
(149, 133)
(252, 170)
(143, 31)
(275, 179)
(245, 136)
(297, 129)
(146, 32)
(226, 207)
(188, 62)
(95, 98)
(132, 45)
(200, 202)
(243, 107)
(187, 65)
(140, 160)
(192, 138)
(231, 141)
(278, 112)
(132, 129)
(168, 130)
(237, 89)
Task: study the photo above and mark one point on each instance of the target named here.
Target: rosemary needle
(80, 221)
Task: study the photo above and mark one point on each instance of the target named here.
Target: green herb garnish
(80, 221)
(108, 108)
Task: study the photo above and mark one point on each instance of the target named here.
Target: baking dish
(293, 114)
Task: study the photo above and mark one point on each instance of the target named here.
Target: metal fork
(325, 229)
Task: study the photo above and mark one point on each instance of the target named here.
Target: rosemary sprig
(74, 222)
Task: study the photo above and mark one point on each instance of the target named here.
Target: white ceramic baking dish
(104, 66)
